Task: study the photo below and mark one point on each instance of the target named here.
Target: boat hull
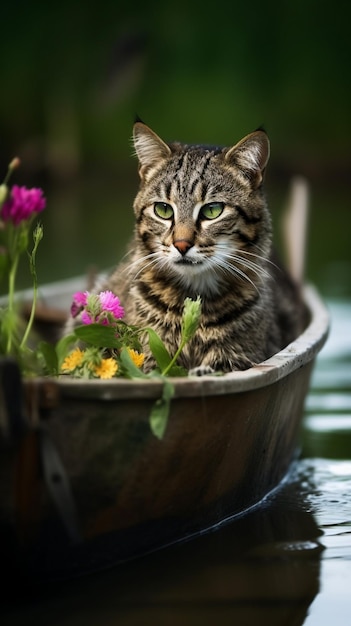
(86, 484)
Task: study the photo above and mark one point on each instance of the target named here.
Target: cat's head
(200, 211)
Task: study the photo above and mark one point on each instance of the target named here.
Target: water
(327, 438)
(286, 563)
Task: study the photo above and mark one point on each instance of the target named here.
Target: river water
(327, 451)
(286, 563)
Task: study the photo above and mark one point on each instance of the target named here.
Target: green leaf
(158, 349)
(160, 410)
(49, 354)
(131, 369)
(62, 348)
(98, 335)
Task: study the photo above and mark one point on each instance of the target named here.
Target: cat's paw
(201, 370)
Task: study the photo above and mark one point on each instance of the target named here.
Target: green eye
(163, 210)
(211, 210)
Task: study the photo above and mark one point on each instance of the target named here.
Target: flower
(107, 368)
(73, 360)
(80, 297)
(89, 363)
(191, 317)
(110, 302)
(79, 301)
(86, 318)
(102, 308)
(22, 204)
(137, 357)
(17, 208)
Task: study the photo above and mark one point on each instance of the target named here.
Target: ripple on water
(327, 424)
(328, 497)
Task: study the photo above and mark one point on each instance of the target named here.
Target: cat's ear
(251, 156)
(149, 148)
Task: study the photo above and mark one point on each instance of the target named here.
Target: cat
(202, 227)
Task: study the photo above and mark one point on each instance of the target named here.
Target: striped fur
(250, 307)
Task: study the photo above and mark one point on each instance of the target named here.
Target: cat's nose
(183, 245)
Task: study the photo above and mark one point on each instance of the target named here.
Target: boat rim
(294, 356)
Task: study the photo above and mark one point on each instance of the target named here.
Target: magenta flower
(22, 204)
(111, 303)
(80, 299)
(86, 318)
(103, 308)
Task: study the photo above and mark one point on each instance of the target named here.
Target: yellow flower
(137, 358)
(73, 360)
(106, 369)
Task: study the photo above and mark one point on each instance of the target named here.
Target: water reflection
(331, 505)
(261, 569)
(327, 437)
(327, 426)
(287, 562)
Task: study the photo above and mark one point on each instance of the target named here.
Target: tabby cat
(203, 228)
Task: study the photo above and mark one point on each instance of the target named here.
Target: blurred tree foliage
(74, 74)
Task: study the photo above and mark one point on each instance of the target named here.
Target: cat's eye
(211, 210)
(163, 210)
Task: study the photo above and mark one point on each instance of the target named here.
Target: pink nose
(183, 245)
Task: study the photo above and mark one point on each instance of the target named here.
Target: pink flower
(86, 319)
(80, 299)
(110, 303)
(103, 308)
(22, 204)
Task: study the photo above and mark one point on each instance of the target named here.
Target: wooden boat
(84, 483)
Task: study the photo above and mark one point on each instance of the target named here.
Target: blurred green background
(74, 75)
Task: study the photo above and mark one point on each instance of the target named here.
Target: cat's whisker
(126, 254)
(247, 263)
(159, 262)
(152, 259)
(144, 267)
(235, 271)
(238, 256)
(129, 268)
(234, 261)
(250, 265)
(264, 258)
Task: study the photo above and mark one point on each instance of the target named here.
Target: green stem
(12, 282)
(31, 318)
(37, 235)
(174, 359)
